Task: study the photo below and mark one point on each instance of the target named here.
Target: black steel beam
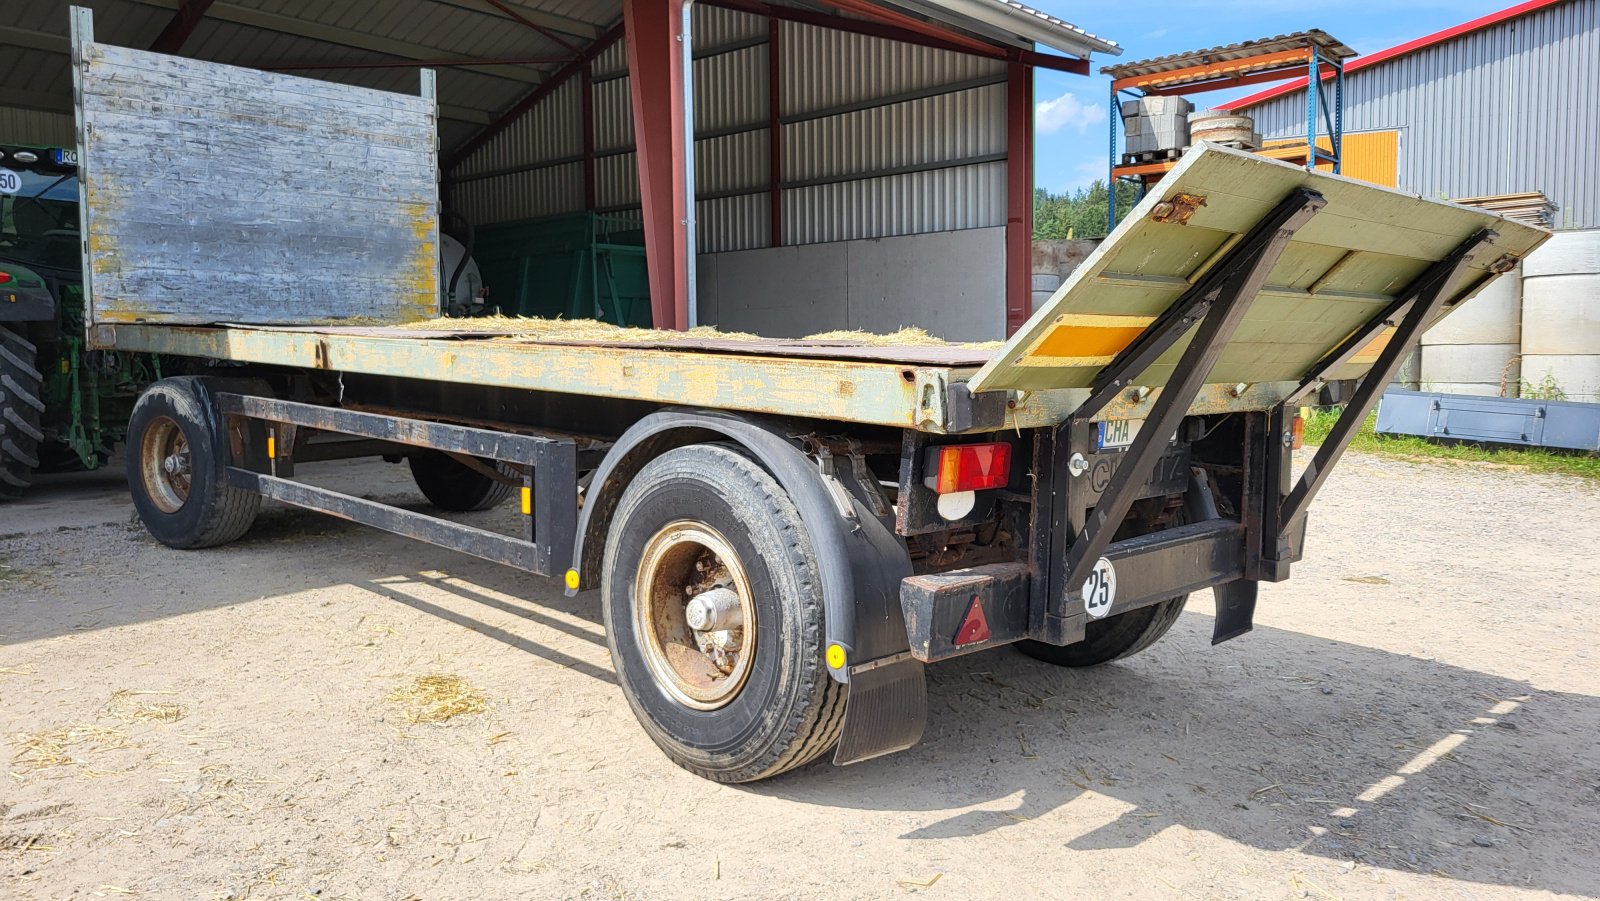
(1427, 292)
(505, 446)
(477, 542)
(1226, 293)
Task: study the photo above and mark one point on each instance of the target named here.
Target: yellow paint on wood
(1372, 156)
(1369, 353)
(1090, 335)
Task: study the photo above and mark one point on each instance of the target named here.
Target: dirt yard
(1415, 716)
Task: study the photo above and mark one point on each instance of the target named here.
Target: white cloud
(1066, 111)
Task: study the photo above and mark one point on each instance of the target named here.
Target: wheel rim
(166, 464)
(700, 668)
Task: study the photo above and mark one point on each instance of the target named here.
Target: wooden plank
(217, 193)
(1360, 251)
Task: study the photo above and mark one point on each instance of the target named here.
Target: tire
(173, 419)
(21, 413)
(451, 485)
(1112, 638)
(784, 710)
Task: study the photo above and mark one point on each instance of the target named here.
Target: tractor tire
(21, 412)
(451, 485)
(177, 463)
(702, 519)
(1112, 638)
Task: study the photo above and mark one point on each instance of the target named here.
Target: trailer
(781, 534)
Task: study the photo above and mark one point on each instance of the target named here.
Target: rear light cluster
(4, 276)
(968, 467)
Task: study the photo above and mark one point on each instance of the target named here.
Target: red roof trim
(1372, 59)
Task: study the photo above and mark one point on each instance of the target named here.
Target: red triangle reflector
(975, 627)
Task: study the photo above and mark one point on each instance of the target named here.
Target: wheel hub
(165, 464)
(696, 615)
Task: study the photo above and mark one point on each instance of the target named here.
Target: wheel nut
(714, 610)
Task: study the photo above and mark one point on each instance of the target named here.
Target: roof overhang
(1013, 23)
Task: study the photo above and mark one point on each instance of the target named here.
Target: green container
(573, 266)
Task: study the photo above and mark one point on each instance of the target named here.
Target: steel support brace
(1420, 302)
(1217, 303)
(549, 489)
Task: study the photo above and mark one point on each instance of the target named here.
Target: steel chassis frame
(548, 469)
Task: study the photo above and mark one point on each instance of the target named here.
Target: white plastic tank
(468, 284)
(1475, 349)
(1561, 315)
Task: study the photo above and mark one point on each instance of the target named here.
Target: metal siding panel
(825, 68)
(617, 181)
(613, 115)
(940, 200)
(1506, 109)
(734, 223)
(553, 130)
(26, 126)
(730, 90)
(934, 129)
(716, 26)
(736, 162)
(521, 195)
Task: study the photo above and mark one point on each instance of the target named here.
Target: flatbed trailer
(783, 534)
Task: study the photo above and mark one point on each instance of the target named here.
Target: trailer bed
(905, 386)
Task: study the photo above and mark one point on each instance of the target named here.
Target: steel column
(655, 64)
(181, 26)
(1019, 196)
(588, 136)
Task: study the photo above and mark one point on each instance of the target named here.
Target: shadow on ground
(1278, 741)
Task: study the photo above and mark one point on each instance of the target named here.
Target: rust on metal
(1177, 209)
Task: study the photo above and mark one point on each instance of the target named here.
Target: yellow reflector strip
(272, 447)
(1090, 337)
(836, 656)
(527, 501)
(572, 579)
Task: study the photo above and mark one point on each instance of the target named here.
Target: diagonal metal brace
(1218, 302)
(1196, 303)
(1420, 302)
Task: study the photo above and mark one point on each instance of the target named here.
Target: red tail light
(4, 276)
(968, 467)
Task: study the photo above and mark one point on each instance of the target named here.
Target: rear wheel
(452, 485)
(1112, 638)
(21, 412)
(177, 463)
(713, 611)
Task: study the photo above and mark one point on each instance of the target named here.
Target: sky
(1071, 111)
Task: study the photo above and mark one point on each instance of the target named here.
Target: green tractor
(62, 406)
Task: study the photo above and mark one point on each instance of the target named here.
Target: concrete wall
(950, 283)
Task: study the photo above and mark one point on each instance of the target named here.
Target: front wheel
(713, 612)
(177, 464)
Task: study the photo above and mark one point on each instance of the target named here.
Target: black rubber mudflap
(886, 712)
(1236, 609)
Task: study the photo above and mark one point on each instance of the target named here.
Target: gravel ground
(1414, 716)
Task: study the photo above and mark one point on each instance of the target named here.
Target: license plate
(1118, 433)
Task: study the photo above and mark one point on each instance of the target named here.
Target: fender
(860, 560)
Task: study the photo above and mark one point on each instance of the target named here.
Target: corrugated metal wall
(22, 126)
(879, 138)
(1506, 109)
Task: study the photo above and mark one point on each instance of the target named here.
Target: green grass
(1367, 440)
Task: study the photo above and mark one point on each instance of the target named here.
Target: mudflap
(887, 710)
(1236, 609)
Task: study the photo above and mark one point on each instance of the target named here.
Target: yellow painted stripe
(1086, 337)
(1369, 353)
(527, 501)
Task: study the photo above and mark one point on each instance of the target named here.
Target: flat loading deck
(904, 386)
